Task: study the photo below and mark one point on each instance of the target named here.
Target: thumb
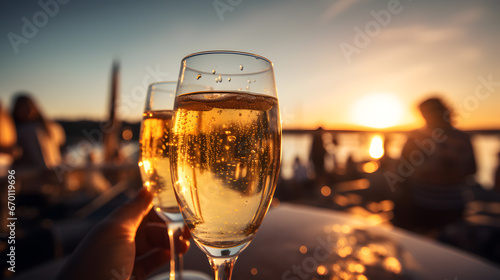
(132, 213)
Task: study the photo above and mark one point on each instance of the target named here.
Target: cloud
(337, 8)
(421, 34)
(467, 16)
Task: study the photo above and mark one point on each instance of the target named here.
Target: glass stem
(174, 233)
(222, 267)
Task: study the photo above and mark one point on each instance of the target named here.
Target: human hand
(128, 244)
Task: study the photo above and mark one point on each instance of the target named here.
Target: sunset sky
(337, 63)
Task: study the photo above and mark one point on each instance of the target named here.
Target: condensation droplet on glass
(247, 87)
(220, 79)
(253, 80)
(217, 79)
(229, 79)
(241, 67)
(198, 77)
(213, 71)
(248, 81)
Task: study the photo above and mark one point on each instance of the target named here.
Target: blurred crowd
(56, 203)
(430, 189)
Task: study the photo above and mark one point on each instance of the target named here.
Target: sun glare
(378, 110)
(377, 147)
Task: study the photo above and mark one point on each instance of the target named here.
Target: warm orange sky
(337, 63)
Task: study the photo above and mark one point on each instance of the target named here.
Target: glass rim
(152, 85)
(271, 65)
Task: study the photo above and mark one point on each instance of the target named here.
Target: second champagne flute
(154, 165)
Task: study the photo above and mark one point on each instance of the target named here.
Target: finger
(152, 217)
(155, 235)
(132, 213)
(186, 234)
(150, 236)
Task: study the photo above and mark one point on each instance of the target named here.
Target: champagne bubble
(213, 71)
(241, 67)
(229, 79)
(198, 77)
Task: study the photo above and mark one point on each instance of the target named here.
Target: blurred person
(8, 139)
(299, 171)
(128, 244)
(440, 160)
(496, 187)
(39, 138)
(300, 182)
(318, 152)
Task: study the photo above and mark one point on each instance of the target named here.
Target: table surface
(306, 243)
(302, 242)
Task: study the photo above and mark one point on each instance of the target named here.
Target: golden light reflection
(376, 150)
(367, 257)
(386, 205)
(346, 229)
(340, 200)
(356, 268)
(326, 191)
(360, 254)
(321, 270)
(392, 264)
(254, 271)
(374, 207)
(370, 167)
(127, 134)
(303, 249)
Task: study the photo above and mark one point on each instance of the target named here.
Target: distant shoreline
(307, 131)
(75, 129)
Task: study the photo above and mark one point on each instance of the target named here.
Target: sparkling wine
(225, 159)
(154, 161)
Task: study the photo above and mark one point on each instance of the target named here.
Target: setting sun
(378, 110)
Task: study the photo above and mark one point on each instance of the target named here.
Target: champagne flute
(225, 150)
(154, 163)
